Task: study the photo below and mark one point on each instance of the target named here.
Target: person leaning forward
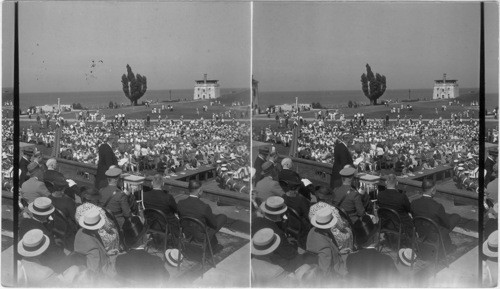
(114, 199)
(196, 208)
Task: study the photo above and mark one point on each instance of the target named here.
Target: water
(342, 97)
(100, 98)
(266, 98)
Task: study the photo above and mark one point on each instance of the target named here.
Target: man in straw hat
(137, 267)
(114, 199)
(270, 215)
(89, 243)
(34, 187)
(268, 186)
(40, 218)
(368, 267)
(264, 272)
(426, 206)
(33, 249)
(321, 241)
(490, 260)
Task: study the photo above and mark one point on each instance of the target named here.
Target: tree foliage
(134, 86)
(373, 85)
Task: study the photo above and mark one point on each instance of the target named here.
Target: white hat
(324, 219)
(490, 246)
(274, 205)
(41, 206)
(407, 256)
(91, 220)
(174, 257)
(33, 243)
(265, 241)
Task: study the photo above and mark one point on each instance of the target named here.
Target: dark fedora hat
(133, 231)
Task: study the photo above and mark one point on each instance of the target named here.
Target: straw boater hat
(407, 256)
(33, 243)
(174, 257)
(324, 219)
(91, 220)
(490, 246)
(265, 241)
(274, 206)
(41, 206)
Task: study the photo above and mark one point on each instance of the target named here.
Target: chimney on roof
(205, 78)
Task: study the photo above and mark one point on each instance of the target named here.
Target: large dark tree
(134, 86)
(373, 85)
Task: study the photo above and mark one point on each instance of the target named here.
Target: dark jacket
(106, 159)
(352, 203)
(341, 158)
(140, 267)
(393, 199)
(23, 167)
(163, 201)
(371, 269)
(488, 166)
(428, 207)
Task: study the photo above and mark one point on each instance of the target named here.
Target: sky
(325, 46)
(172, 44)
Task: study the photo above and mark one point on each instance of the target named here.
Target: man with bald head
(426, 206)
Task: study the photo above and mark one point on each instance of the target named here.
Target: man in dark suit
(370, 268)
(341, 158)
(347, 198)
(196, 208)
(52, 174)
(426, 206)
(107, 158)
(160, 199)
(489, 166)
(391, 198)
(259, 161)
(23, 165)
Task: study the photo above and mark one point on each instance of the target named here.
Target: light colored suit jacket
(268, 187)
(329, 259)
(97, 260)
(33, 188)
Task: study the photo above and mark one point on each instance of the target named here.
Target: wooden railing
(320, 174)
(84, 175)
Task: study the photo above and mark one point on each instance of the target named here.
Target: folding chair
(426, 232)
(194, 232)
(389, 223)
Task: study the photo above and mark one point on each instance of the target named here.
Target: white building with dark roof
(445, 88)
(206, 89)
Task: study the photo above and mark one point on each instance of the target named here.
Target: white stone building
(206, 89)
(445, 88)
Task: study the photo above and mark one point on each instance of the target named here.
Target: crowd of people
(314, 235)
(98, 236)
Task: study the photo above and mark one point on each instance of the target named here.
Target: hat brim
(97, 226)
(488, 252)
(170, 260)
(329, 225)
(274, 246)
(265, 210)
(403, 260)
(23, 252)
(32, 209)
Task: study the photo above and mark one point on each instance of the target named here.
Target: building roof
(447, 81)
(208, 81)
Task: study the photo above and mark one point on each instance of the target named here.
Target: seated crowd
(307, 235)
(81, 236)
